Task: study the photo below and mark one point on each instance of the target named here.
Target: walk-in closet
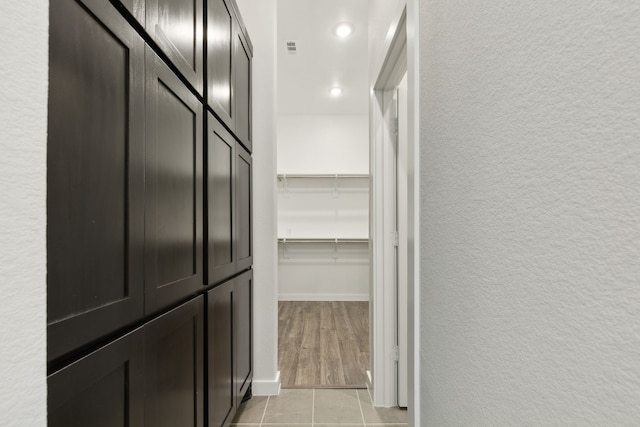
(323, 194)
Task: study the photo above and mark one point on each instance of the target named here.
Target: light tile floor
(317, 407)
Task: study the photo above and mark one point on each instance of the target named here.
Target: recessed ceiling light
(344, 30)
(335, 91)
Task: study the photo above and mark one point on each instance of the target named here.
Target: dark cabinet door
(174, 375)
(103, 389)
(242, 88)
(221, 385)
(173, 215)
(244, 227)
(220, 75)
(242, 327)
(221, 166)
(95, 174)
(177, 28)
(229, 191)
(229, 320)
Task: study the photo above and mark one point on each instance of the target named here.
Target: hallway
(524, 120)
(320, 407)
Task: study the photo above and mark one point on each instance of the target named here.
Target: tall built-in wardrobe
(149, 255)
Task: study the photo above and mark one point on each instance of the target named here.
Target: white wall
(530, 205)
(323, 144)
(23, 120)
(311, 273)
(260, 18)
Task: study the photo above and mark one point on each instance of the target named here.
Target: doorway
(323, 193)
(393, 226)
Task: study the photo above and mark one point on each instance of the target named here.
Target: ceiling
(323, 60)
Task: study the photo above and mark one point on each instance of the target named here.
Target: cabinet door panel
(173, 349)
(136, 8)
(176, 26)
(103, 389)
(220, 36)
(220, 361)
(174, 188)
(242, 90)
(244, 230)
(95, 174)
(220, 209)
(242, 323)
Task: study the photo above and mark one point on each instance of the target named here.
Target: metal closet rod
(337, 175)
(322, 240)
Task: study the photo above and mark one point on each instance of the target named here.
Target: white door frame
(401, 55)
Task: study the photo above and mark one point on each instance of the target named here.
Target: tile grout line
(360, 406)
(264, 413)
(313, 408)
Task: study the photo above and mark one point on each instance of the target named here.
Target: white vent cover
(291, 48)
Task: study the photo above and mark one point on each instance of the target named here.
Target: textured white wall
(23, 139)
(323, 144)
(260, 18)
(530, 204)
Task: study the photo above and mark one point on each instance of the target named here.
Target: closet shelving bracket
(335, 177)
(336, 240)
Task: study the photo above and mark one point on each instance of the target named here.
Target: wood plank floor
(323, 344)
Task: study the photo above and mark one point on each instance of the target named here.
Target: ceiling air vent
(291, 48)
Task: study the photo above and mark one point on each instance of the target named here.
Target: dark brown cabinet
(242, 327)
(177, 27)
(173, 370)
(137, 186)
(103, 389)
(242, 88)
(221, 29)
(135, 8)
(229, 347)
(173, 170)
(152, 376)
(244, 220)
(95, 178)
(221, 167)
(221, 386)
(228, 204)
(229, 54)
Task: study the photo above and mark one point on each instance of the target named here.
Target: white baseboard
(266, 387)
(323, 297)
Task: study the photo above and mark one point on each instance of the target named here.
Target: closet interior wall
(149, 233)
(323, 208)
